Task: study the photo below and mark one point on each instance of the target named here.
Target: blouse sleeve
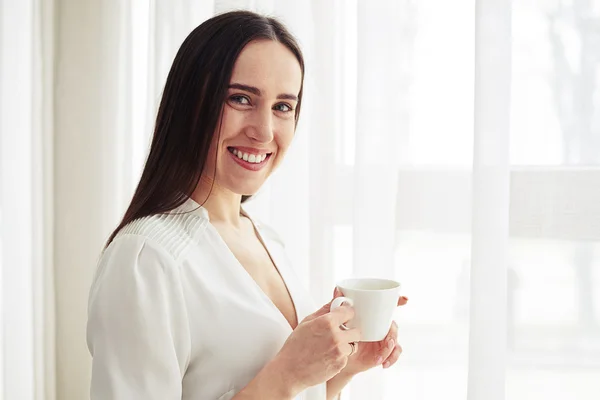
(138, 330)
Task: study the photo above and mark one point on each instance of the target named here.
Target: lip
(250, 150)
(248, 165)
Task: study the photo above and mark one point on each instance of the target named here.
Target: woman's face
(258, 120)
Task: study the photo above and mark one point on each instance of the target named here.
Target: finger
(402, 301)
(337, 293)
(320, 312)
(351, 352)
(351, 335)
(393, 332)
(387, 348)
(390, 339)
(391, 360)
(326, 308)
(342, 314)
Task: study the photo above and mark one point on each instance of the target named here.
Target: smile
(251, 160)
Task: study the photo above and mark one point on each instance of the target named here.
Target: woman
(192, 299)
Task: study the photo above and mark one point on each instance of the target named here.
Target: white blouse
(172, 313)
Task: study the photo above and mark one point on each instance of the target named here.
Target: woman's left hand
(372, 354)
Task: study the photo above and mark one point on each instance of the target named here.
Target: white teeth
(251, 158)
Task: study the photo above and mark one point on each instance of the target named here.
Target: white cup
(374, 302)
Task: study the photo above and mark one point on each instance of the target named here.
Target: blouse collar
(192, 207)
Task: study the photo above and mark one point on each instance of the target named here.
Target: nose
(261, 126)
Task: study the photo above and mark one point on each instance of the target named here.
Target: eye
(239, 99)
(283, 107)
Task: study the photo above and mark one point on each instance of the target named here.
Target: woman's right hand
(318, 349)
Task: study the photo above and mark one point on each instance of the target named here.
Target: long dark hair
(191, 105)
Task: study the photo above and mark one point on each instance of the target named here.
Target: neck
(222, 204)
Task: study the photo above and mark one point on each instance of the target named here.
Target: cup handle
(337, 302)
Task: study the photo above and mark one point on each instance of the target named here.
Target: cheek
(284, 140)
(231, 122)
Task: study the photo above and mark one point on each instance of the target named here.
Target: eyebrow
(256, 91)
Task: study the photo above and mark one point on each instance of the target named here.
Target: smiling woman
(211, 91)
(192, 299)
(258, 120)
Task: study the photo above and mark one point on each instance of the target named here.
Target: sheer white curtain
(27, 369)
(429, 133)
(454, 146)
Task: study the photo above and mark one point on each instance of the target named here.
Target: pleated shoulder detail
(174, 232)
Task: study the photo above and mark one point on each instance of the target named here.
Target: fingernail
(390, 343)
(386, 364)
(379, 360)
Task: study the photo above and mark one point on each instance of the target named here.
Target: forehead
(268, 65)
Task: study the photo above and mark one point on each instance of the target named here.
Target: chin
(245, 189)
